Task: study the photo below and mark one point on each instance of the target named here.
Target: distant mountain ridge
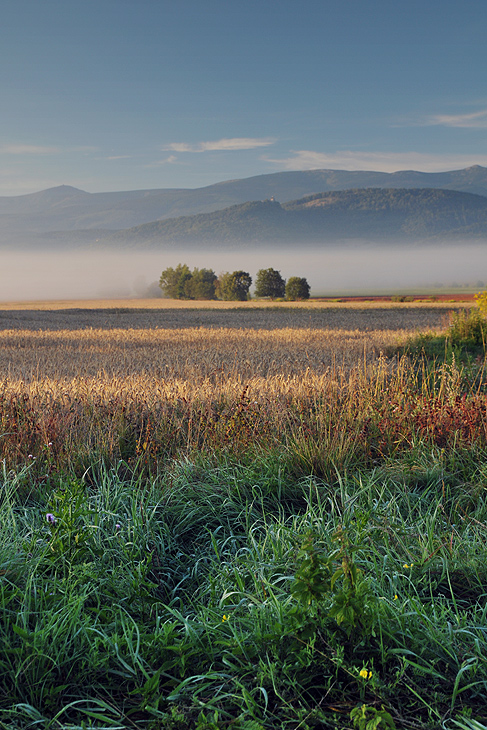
(373, 213)
(65, 208)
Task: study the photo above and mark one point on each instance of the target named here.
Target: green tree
(234, 286)
(181, 283)
(173, 281)
(297, 288)
(201, 285)
(270, 284)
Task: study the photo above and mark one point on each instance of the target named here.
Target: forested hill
(64, 208)
(372, 213)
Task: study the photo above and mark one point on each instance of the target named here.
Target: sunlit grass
(155, 304)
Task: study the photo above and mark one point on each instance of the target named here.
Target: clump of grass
(464, 338)
(468, 329)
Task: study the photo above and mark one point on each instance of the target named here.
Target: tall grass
(169, 602)
(465, 338)
(320, 422)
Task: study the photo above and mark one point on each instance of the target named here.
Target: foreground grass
(201, 598)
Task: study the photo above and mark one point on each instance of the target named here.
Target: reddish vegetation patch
(393, 298)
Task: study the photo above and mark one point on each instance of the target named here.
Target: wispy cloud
(171, 160)
(35, 149)
(472, 120)
(475, 120)
(238, 143)
(378, 161)
(27, 149)
(178, 147)
(225, 144)
(119, 157)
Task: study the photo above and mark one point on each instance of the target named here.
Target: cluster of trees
(271, 284)
(182, 283)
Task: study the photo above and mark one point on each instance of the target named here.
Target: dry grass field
(440, 302)
(190, 342)
(122, 381)
(181, 348)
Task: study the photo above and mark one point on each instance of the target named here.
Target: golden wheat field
(200, 344)
(120, 381)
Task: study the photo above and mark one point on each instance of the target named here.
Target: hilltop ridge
(67, 208)
(380, 214)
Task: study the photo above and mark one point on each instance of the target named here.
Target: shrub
(481, 301)
(468, 328)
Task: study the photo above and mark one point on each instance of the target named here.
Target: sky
(110, 95)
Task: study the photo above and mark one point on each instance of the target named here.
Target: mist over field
(85, 275)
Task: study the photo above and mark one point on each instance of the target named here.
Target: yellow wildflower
(395, 596)
(225, 617)
(365, 674)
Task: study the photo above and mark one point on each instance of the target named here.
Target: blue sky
(131, 94)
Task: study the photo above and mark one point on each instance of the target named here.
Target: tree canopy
(234, 286)
(181, 283)
(173, 281)
(201, 285)
(297, 287)
(270, 284)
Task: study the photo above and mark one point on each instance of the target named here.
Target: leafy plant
(368, 718)
(468, 328)
(66, 517)
(342, 590)
(481, 301)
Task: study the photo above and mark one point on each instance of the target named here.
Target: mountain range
(374, 214)
(314, 206)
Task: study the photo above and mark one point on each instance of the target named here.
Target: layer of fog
(85, 275)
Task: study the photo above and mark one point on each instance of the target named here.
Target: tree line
(182, 283)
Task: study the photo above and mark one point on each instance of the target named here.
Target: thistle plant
(70, 534)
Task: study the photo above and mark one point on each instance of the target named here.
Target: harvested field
(195, 344)
(365, 316)
(192, 353)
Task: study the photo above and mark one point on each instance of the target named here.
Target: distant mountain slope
(285, 186)
(65, 208)
(373, 213)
